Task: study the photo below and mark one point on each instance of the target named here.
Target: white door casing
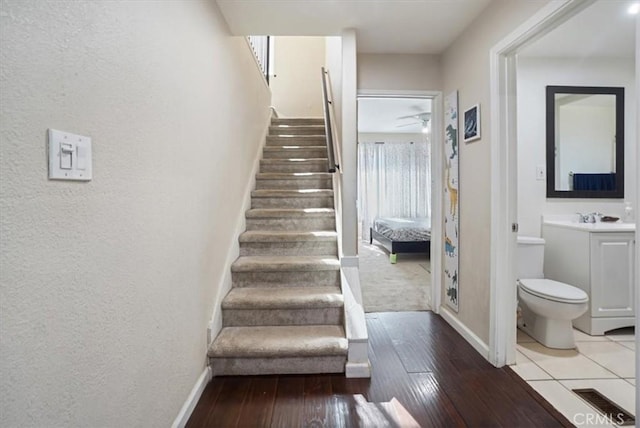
(502, 334)
(436, 180)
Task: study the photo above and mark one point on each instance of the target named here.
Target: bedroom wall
(296, 86)
(107, 286)
(534, 74)
(465, 68)
(399, 72)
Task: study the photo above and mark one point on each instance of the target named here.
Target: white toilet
(548, 306)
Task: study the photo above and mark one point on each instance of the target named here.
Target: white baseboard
(349, 261)
(358, 370)
(477, 343)
(192, 399)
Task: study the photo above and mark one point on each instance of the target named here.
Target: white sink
(594, 227)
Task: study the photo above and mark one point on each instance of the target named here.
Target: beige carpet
(386, 287)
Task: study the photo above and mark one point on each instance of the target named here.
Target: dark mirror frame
(618, 192)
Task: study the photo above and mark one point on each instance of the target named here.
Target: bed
(402, 235)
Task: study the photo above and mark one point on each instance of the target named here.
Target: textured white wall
(349, 142)
(399, 72)
(465, 68)
(107, 286)
(534, 74)
(297, 87)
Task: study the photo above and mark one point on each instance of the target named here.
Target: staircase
(285, 311)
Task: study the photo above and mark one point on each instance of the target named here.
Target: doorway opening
(395, 202)
(518, 170)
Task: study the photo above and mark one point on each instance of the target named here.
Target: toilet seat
(553, 290)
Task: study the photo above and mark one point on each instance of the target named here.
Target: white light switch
(540, 173)
(66, 155)
(69, 156)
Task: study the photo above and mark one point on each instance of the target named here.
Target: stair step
(297, 198)
(283, 298)
(296, 140)
(284, 243)
(294, 165)
(279, 341)
(295, 193)
(297, 130)
(285, 264)
(293, 175)
(291, 213)
(299, 152)
(292, 236)
(279, 350)
(285, 271)
(283, 306)
(307, 219)
(297, 121)
(300, 180)
(293, 202)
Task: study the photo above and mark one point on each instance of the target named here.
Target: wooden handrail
(327, 124)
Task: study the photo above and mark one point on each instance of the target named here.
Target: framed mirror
(585, 142)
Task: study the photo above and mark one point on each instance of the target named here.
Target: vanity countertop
(593, 227)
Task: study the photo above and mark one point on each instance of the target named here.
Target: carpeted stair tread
(285, 264)
(290, 212)
(292, 175)
(297, 121)
(301, 161)
(287, 236)
(291, 193)
(279, 341)
(299, 140)
(283, 298)
(294, 129)
(297, 125)
(292, 148)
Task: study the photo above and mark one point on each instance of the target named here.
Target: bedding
(404, 229)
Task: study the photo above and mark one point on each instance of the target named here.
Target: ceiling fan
(419, 119)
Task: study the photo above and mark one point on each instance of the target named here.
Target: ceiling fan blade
(418, 116)
(409, 124)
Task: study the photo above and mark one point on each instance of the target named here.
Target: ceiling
(603, 30)
(382, 26)
(386, 115)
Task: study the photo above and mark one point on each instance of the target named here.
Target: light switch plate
(69, 156)
(540, 173)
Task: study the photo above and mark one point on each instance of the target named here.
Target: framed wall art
(471, 119)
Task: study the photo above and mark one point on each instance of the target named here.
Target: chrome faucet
(589, 218)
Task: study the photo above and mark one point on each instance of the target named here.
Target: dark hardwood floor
(416, 357)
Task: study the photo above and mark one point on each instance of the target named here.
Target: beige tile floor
(605, 363)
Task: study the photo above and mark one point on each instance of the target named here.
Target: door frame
(436, 178)
(503, 305)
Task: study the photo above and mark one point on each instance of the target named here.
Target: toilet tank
(530, 257)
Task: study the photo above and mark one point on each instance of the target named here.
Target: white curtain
(394, 180)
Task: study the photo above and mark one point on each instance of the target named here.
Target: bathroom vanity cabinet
(600, 259)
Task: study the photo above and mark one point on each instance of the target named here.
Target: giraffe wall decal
(453, 192)
(451, 203)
